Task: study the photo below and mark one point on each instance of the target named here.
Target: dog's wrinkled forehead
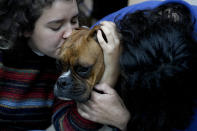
(79, 46)
(77, 34)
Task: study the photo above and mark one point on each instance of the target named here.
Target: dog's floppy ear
(93, 31)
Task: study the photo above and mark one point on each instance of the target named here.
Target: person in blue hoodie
(107, 112)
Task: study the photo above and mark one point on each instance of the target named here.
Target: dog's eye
(83, 71)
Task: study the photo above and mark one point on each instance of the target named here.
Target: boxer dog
(83, 65)
(157, 67)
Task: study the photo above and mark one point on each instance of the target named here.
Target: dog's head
(83, 65)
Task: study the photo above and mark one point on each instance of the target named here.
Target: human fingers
(101, 40)
(108, 93)
(111, 27)
(84, 109)
(109, 39)
(91, 110)
(110, 104)
(106, 89)
(109, 24)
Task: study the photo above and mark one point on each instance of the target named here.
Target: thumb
(106, 89)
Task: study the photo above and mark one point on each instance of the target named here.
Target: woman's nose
(67, 32)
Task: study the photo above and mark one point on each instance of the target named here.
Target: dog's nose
(61, 82)
(64, 82)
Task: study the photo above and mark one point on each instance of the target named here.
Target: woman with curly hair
(31, 35)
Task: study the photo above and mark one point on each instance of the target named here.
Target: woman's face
(53, 27)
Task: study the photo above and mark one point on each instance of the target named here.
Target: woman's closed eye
(55, 26)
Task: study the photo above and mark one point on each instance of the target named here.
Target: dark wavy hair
(17, 16)
(158, 65)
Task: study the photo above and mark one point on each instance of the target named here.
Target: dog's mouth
(64, 98)
(76, 93)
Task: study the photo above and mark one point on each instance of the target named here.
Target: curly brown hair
(18, 16)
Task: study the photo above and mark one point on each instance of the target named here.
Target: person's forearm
(110, 76)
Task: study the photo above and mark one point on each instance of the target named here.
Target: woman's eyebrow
(61, 20)
(55, 21)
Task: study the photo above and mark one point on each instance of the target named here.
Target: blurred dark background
(93, 10)
(102, 8)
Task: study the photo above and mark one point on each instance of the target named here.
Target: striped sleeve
(66, 118)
